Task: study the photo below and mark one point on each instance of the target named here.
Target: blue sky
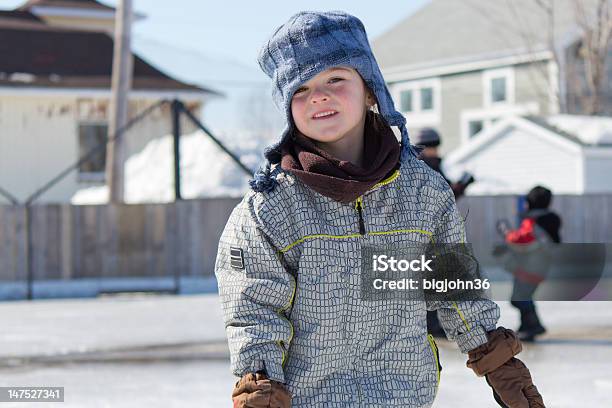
(215, 43)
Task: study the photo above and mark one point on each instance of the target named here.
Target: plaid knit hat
(308, 44)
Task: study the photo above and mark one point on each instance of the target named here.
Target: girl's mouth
(324, 114)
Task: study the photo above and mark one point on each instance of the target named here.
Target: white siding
(517, 161)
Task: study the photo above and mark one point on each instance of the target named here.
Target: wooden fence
(148, 240)
(585, 219)
(155, 240)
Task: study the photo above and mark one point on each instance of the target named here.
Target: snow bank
(206, 171)
(591, 130)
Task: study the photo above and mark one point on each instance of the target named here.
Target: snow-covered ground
(108, 352)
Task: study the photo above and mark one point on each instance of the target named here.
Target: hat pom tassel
(262, 182)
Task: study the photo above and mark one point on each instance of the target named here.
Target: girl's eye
(335, 79)
(300, 90)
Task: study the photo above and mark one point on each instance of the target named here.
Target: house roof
(85, 4)
(449, 31)
(569, 131)
(544, 123)
(35, 54)
(20, 15)
(516, 153)
(589, 130)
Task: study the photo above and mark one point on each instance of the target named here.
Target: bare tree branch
(528, 35)
(584, 75)
(597, 33)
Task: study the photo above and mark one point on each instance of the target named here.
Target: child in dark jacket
(539, 225)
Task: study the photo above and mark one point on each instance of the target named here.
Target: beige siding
(39, 138)
(532, 85)
(459, 92)
(88, 24)
(463, 93)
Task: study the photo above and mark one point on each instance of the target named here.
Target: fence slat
(53, 243)
(66, 241)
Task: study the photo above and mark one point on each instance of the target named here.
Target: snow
(91, 195)
(18, 77)
(570, 365)
(206, 171)
(592, 130)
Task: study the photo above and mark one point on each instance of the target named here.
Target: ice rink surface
(164, 351)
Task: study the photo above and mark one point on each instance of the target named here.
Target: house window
(419, 100)
(475, 126)
(406, 101)
(426, 99)
(92, 135)
(498, 89)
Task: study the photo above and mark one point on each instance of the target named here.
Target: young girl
(289, 261)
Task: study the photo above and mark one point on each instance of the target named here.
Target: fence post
(28, 251)
(176, 132)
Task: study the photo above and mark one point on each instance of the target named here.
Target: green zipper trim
(388, 180)
(434, 350)
(315, 236)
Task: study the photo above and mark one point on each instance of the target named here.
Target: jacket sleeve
(255, 290)
(465, 322)
(524, 234)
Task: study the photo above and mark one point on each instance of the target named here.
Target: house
(86, 15)
(55, 76)
(569, 154)
(459, 66)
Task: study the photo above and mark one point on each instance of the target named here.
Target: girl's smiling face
(332, 106)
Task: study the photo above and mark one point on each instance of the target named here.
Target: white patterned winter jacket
(288, 270)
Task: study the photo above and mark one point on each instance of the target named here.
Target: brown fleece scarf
(338, 179)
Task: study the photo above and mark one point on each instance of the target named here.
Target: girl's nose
(318, 97)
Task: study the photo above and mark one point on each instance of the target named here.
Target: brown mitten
(257, 391)
(507, 376)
